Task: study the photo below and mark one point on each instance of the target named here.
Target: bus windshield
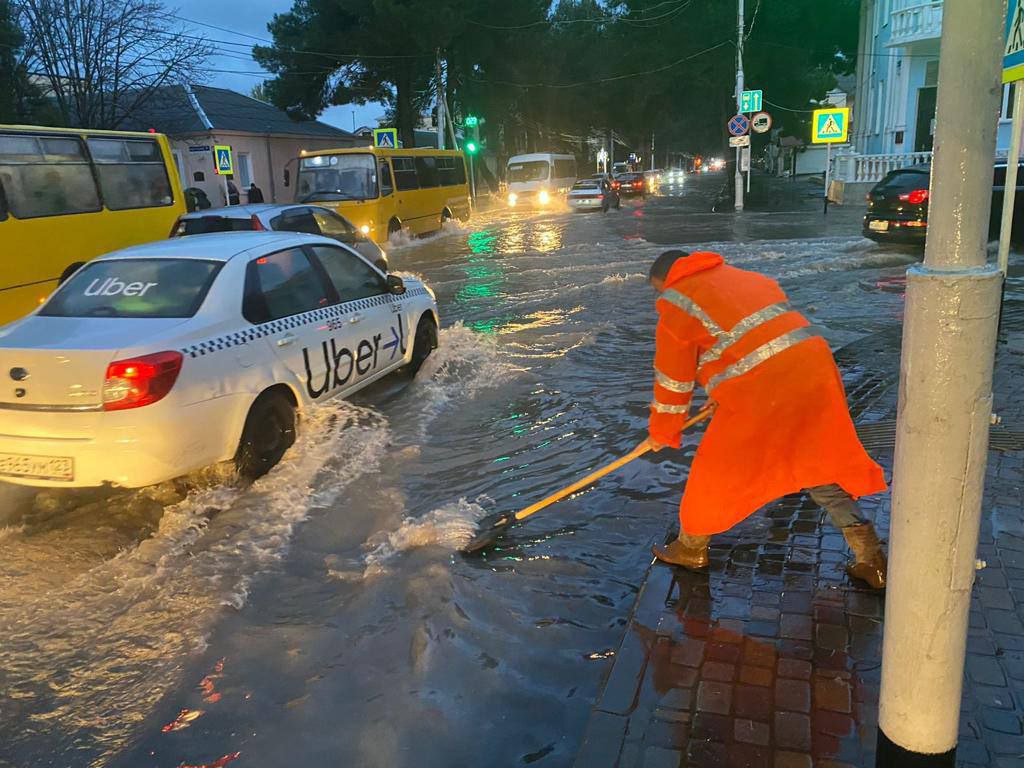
(533, 170)
(337, 177)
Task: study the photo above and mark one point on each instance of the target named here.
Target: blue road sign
(738, 125)
(1013, 53)
(750, 101)
(385, 138)
(831, 125)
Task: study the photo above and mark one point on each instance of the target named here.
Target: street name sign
(738, 125)
(200, 148)
(739, 141)
(385, 138)
(761, 122)
(751, 101)
(223, 163)
(1013, 53)
(831, 125)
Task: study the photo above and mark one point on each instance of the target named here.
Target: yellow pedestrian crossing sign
(831, 126)
(385, 138)
(222, 162)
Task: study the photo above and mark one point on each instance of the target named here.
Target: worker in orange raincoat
(781, 424)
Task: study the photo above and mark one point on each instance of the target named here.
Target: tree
(260, 93)
(104, 59)
(17, 96)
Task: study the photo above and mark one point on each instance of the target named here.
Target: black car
(898, 205)
(631, 184)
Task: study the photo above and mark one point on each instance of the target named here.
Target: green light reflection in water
(483, 281)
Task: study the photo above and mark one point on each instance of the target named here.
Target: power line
(547, 22)
(611, 79)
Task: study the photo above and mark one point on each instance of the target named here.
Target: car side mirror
(396, 285)
(287, 177)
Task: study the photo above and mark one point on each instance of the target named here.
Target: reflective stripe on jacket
(782, 423)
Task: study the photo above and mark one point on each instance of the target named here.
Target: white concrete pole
(1010, 185)
(738, 180)
(440, 103)
(945, 406)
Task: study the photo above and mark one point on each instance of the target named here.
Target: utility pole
(440, 102)
(945, 407)
(652, 150)
(738, 181)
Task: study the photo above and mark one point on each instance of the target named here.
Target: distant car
(592, 195)
(158, 360)
(898, 205)
(632, 184)
(311, 219)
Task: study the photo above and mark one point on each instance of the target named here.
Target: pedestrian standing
(781, 424)
(255, 193)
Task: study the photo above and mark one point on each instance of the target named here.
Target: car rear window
(903, 180)
(202, 225)
(136, 288)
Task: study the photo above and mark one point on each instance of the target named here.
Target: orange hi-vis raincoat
(782, 423)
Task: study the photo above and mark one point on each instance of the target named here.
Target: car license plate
(37, 467)
(878, 226)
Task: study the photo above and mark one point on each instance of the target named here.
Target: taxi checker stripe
(748, 323)
(662, 408)
(759, 355)
(238, 338)
(672, 385)
(688, 305)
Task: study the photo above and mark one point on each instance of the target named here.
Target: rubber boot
(870, 565)
(686, 551)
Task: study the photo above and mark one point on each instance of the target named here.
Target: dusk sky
(234, 67)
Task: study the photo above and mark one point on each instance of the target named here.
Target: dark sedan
(898, 205)
(631, 184)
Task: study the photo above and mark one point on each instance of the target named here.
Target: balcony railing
(870, 168)
(915, 20)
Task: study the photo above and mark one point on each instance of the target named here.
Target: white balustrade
(914, 20)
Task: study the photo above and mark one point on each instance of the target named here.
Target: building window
(931, 73)
(897, 138)
(1006, 111)
(880, 106)
(245, 169)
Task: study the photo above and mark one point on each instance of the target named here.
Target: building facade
(897, 83)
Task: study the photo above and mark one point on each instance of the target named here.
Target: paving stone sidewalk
(773, 657)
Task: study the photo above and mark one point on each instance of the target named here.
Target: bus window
(405, 174)
(132, 173)
(330, 178)
(44, 176)
(386, 188)
(426, 170)
(446, 174)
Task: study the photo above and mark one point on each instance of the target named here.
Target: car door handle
(287, 339)
(356, 318)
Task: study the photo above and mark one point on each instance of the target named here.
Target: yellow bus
(384, 191)
(69, 195)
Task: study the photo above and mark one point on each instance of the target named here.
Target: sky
(233, 66)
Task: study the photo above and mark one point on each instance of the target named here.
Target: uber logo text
(341, 363)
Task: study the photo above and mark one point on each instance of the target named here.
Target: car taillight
(916, 197)
(178, 228)
(257, 225)
(140, 381)
(615, 185)
(638, 184)
(600, 197)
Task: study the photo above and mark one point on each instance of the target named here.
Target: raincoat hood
(699, 261)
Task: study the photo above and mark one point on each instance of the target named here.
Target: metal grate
(881, 435)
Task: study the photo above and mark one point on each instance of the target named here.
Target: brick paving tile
(793, 731)
(833, 723)
(985, 670)
(716, 670)
(677, 698)
(747, 756)
(715, 697)
(1001, 720)
(833, 694)
(706, 754)
(707, 726)
(793, 695)
(831, 636)
(727, 652)
(794, 668)
(688, 652)
(758, 654)
(753, 702)
(756, 676)
(785, 759)
(751, 732)
(657, 757)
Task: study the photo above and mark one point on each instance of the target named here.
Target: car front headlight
(544, 198)
(512, 197)
(365, 229)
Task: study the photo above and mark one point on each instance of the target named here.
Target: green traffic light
(471, 147)
(472, 121)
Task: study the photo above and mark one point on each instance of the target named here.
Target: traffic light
(471, 147)
(472, 121)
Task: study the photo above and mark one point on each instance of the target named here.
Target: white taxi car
(160, 359)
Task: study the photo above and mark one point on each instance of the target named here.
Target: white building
(897, 78)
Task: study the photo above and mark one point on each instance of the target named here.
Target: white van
(540, 178)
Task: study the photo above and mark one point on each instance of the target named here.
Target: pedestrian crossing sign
(1013, 52)
(222, 162)
(831, 126)
(385, 138)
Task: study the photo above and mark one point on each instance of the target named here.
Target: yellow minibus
(384, 191)
(69, 195)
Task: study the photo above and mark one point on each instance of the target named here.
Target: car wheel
(393, 228)
(268, 433)
(424, 343)
(67, 273)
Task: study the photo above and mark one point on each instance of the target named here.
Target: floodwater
(321, 616)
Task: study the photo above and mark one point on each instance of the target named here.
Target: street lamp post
(738, 180)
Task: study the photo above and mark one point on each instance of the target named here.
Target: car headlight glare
(365, 229)
(544, 198)
(512, 197)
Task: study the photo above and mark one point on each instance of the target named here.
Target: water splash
(450, 527)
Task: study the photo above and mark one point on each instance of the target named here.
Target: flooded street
(322, 616)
